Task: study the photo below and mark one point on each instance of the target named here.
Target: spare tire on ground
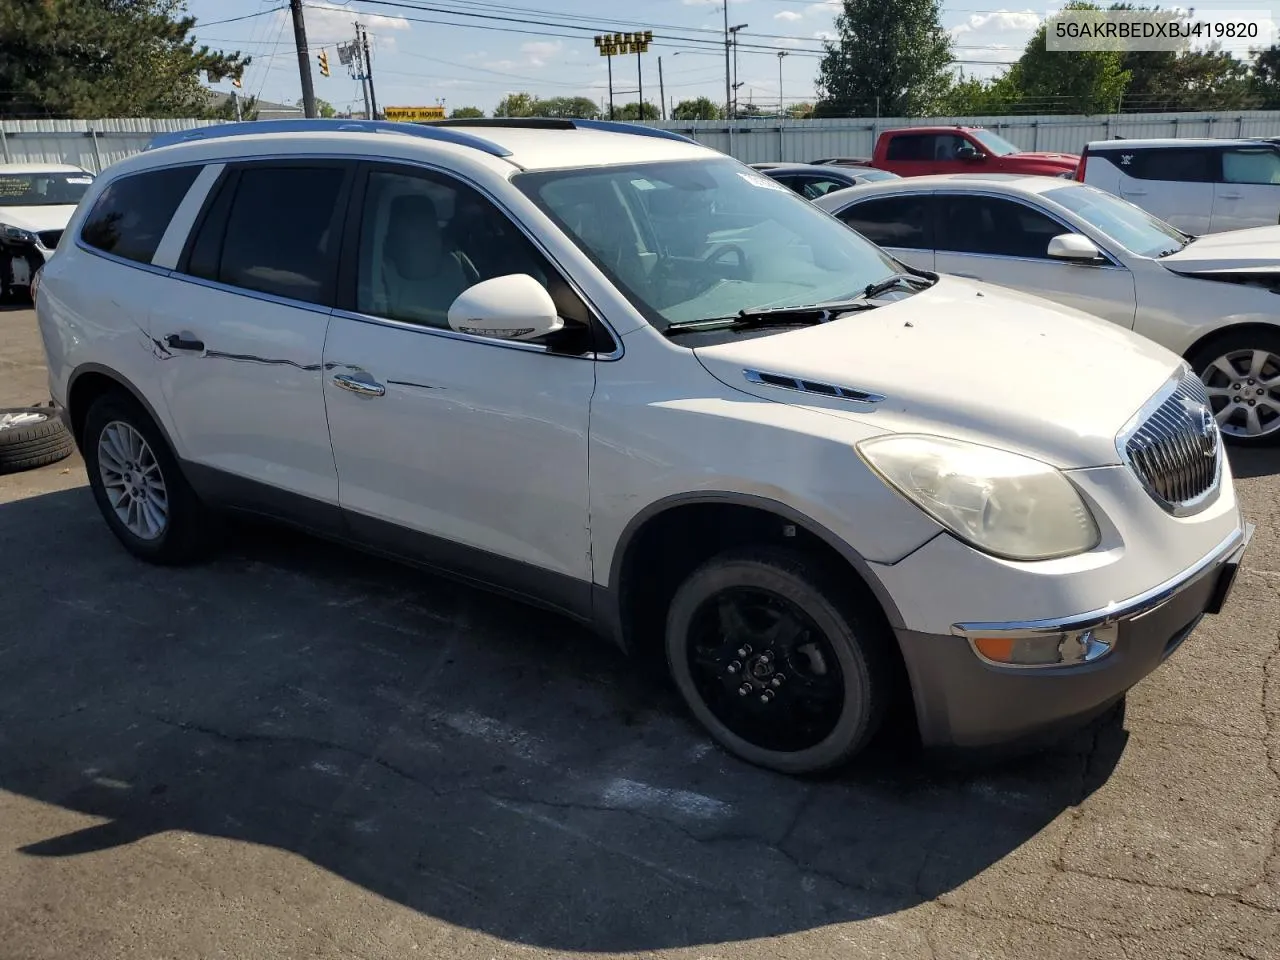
(32, 437)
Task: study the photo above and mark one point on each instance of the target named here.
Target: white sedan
(1213, 300)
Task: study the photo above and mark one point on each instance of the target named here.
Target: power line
(248, 16)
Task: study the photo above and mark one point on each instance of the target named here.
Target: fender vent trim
(816, 387)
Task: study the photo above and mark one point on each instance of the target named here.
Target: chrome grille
(1175, 449)
(50, 238)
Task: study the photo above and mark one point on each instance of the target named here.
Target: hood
(967, 360)
(1051, 162)
(1256, 250)
(51, 217)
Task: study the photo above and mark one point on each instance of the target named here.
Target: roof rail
(565, 123)
(249, 127)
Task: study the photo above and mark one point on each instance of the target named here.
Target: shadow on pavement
(486, 764)
(1247, 464)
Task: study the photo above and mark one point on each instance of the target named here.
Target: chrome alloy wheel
(1244, 390)
(133, 482)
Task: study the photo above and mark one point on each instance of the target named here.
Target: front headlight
(16, 234)
(1004, 504)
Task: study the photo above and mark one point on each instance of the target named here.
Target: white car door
(1174, 183)
(239, 339)
(1248, 193)
(453, 449)
(1005, 241)
(901, 224)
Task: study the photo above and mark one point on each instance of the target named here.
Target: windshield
(43, 189)
(997, 144)
(696, 239)
(1131, 227)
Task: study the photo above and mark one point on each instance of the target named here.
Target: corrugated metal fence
(95, 144)
(759, 141)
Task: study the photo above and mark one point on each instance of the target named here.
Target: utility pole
(368, 72)
(733, 32)
(640, 82)
(662, 90)
(609, 60)
(728, 91)
(304, 59)
(781, 101)
(364, 79)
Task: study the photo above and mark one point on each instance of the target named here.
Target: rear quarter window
(132, 213)
(1178, 165)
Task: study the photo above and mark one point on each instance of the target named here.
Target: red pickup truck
(916, 151)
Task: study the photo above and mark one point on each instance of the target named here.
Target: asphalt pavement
(296, 752)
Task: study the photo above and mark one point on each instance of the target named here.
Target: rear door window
(132, 213)
(894, 221)
(275, 229)
(911, 146)
(1181, 164)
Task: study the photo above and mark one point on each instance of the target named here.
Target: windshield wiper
(893, 280)
(751, 317)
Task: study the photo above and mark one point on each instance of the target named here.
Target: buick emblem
(1208, 433)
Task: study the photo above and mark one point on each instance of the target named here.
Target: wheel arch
(90, 381)
(1227, 330)
(734, 519)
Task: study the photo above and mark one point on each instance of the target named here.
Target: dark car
(812, 181)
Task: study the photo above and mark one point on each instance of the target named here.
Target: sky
(474, 52)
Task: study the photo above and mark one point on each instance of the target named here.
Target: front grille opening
(1176, 451)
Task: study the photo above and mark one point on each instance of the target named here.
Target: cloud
(996, 22)
(823, 35)
(707, 3)
(330, 23)
(538, 52)
(789, 15)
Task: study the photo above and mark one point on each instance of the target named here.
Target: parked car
(1199, 186)
(921, 151)
(812, 182)
(1211, 300)
(590, 365)
(36, 200)
(842, 162)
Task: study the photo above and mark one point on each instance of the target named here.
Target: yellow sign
(616, 44)
(414, 114)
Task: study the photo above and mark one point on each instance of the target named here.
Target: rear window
(913, 146)
(132, 214)
(1178, 164)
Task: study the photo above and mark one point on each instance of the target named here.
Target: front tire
(774, 657)
(1241, 371)
(138, 485)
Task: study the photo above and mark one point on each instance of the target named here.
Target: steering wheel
(742, 269)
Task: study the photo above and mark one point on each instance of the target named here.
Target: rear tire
(138, 485)
(785, 626)
(1241, 369)
(32, 437)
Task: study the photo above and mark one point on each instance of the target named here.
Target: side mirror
(1073, 246)
(514, 307)
(968, 152)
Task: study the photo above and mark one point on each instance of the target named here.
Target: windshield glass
(697, 239)
(42, 189)
(994, 142)
(1131, 227)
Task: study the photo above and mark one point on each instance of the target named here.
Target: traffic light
(323, 57)
(235, 82)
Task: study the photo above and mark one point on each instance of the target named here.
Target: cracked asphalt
(294, 752)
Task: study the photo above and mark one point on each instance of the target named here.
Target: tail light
(1084, 158)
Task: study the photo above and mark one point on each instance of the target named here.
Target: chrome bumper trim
(1124, 610)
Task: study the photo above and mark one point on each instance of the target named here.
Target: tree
(1184, 79)
(887, 58)
(800, 111)
(631, 111)
(105, 58)
(224, 108)
(578, 108)
(699, 109)
(1264, 79)
(975, 97)
(323, 107)
(515, 105)
(1085, 81)
(466, 113)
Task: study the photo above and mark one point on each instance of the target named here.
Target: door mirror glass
(968, 152)
(513, 307)
(1073, 246)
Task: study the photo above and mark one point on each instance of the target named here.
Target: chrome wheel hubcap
(1244, 390)
(132, 479)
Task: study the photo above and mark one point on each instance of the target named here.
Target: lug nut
(777, 681)
(1261, 392)
(1251, 382)
(1253, 403)
(1235, 399)
(766, 657)
(1235, 386)
(735, 667)
(766, 696)
(744, 650)
(744, 689)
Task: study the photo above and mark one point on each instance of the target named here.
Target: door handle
(183, 341)
(1229, 196)
(361, 388)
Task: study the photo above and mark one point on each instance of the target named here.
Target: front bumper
(962, 700)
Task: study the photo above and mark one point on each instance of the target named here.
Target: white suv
(621, 375)
(1199, 186)
(36, 201)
